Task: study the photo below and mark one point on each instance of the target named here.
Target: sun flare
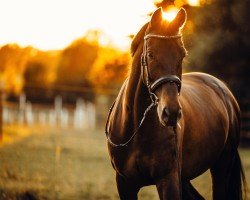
(170, 14)
(194, 2)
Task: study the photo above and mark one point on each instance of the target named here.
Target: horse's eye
(151, 55)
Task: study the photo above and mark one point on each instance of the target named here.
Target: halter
(152, 86)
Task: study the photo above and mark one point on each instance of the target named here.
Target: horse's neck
(131, 103)
(136, 94)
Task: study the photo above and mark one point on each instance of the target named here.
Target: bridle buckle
(154, 98)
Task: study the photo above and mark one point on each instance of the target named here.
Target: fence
(80, 116)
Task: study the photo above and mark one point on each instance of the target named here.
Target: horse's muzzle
(169, 118)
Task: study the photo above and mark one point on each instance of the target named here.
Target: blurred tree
(110, 68)
(39, 76)
(76, 61)
(75, 64)
(221, 43)
(71, 73)
(13, 61)
(41, 68)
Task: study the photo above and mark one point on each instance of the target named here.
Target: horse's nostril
(170, 118)
(167, 113)
(165, 116)
(179, 114)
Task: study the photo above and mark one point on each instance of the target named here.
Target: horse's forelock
(138, 38)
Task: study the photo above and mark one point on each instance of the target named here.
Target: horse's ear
(180, 19)
(156, 18)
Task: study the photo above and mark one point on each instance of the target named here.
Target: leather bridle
(152, 86)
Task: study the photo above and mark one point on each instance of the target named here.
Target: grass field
(68, 165)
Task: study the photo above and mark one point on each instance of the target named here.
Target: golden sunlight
(48, 24)
(170, 14)
(193, 2)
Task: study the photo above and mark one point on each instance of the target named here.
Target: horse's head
(162, 64)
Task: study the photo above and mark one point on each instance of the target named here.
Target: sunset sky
(53, 24)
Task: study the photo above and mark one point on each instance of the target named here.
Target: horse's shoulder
(199, 79)
(205, 83)
(200, 76)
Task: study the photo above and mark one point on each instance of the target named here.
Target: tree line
(79, 70)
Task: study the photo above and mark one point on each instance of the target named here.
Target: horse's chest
(157, 162)
(149, 159)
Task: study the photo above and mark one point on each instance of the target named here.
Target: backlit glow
(170, 14)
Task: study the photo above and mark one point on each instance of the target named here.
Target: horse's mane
(137, 39)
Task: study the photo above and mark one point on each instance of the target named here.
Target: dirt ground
(69, 165)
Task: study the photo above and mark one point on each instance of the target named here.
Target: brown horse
(166, 128)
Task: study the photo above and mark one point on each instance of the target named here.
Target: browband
(162, 36)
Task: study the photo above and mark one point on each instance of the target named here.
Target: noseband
(152, 86)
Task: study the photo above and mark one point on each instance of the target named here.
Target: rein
(135, 132)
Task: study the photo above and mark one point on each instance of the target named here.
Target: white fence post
(64, 118)
(79, 115)
(22, 102)
(29, 114)
(82, 117)
(52, 118)
(58, 109)
(91, 115)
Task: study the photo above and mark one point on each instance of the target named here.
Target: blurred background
(61, 66)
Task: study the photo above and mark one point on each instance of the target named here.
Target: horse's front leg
(169, 187)
(189, 192)
(127, 189)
